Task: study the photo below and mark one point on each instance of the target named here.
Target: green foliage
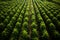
(29, 20)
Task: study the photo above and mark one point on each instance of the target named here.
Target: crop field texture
(29, 20)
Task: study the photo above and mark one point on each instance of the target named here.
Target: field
(29, 20)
